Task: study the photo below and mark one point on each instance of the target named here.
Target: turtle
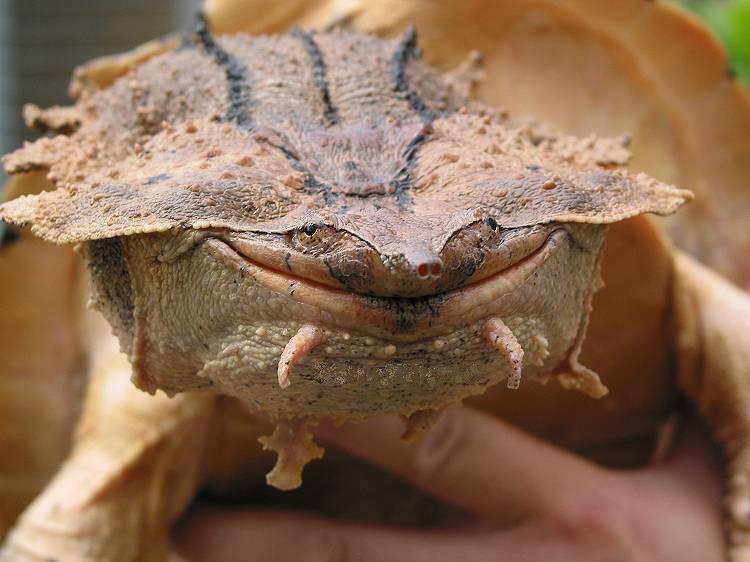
(321, 225)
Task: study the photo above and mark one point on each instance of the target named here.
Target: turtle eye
(312, 237)
(310, 229)
(492, 223)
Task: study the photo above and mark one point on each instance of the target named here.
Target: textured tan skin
(127, 456)
(618, 428)
(101, 72)
(583, 66)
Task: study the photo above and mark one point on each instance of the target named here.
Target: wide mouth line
(318, 285)
(388, 301)
(368, 311)
(336, 286)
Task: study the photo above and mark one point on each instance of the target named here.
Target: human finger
(683, 493)
(271, 536)
(471, 460)
(694, 460)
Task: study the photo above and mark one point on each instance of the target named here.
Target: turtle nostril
(430, 269)
(423, 270)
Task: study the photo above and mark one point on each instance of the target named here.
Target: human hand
(534, 502)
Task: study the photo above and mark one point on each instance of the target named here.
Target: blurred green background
(730, 20)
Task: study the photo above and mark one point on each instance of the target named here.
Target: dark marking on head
(275, 140)
(236, 74)
(329, 267)
(330, 114)
(406, 51)
(111, 285)
(408, 312)
(311, 183)
(8, 234)
(156, 179)
(43, 124)
(404, 181)
(731, 72)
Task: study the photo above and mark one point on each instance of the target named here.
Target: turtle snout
(431, 268)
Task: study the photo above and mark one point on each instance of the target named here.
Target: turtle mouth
(394, 318)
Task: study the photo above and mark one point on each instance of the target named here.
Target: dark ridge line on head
(311, 184)
(405, 52)
(236, 73)
(330, 114)
(403, 181)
